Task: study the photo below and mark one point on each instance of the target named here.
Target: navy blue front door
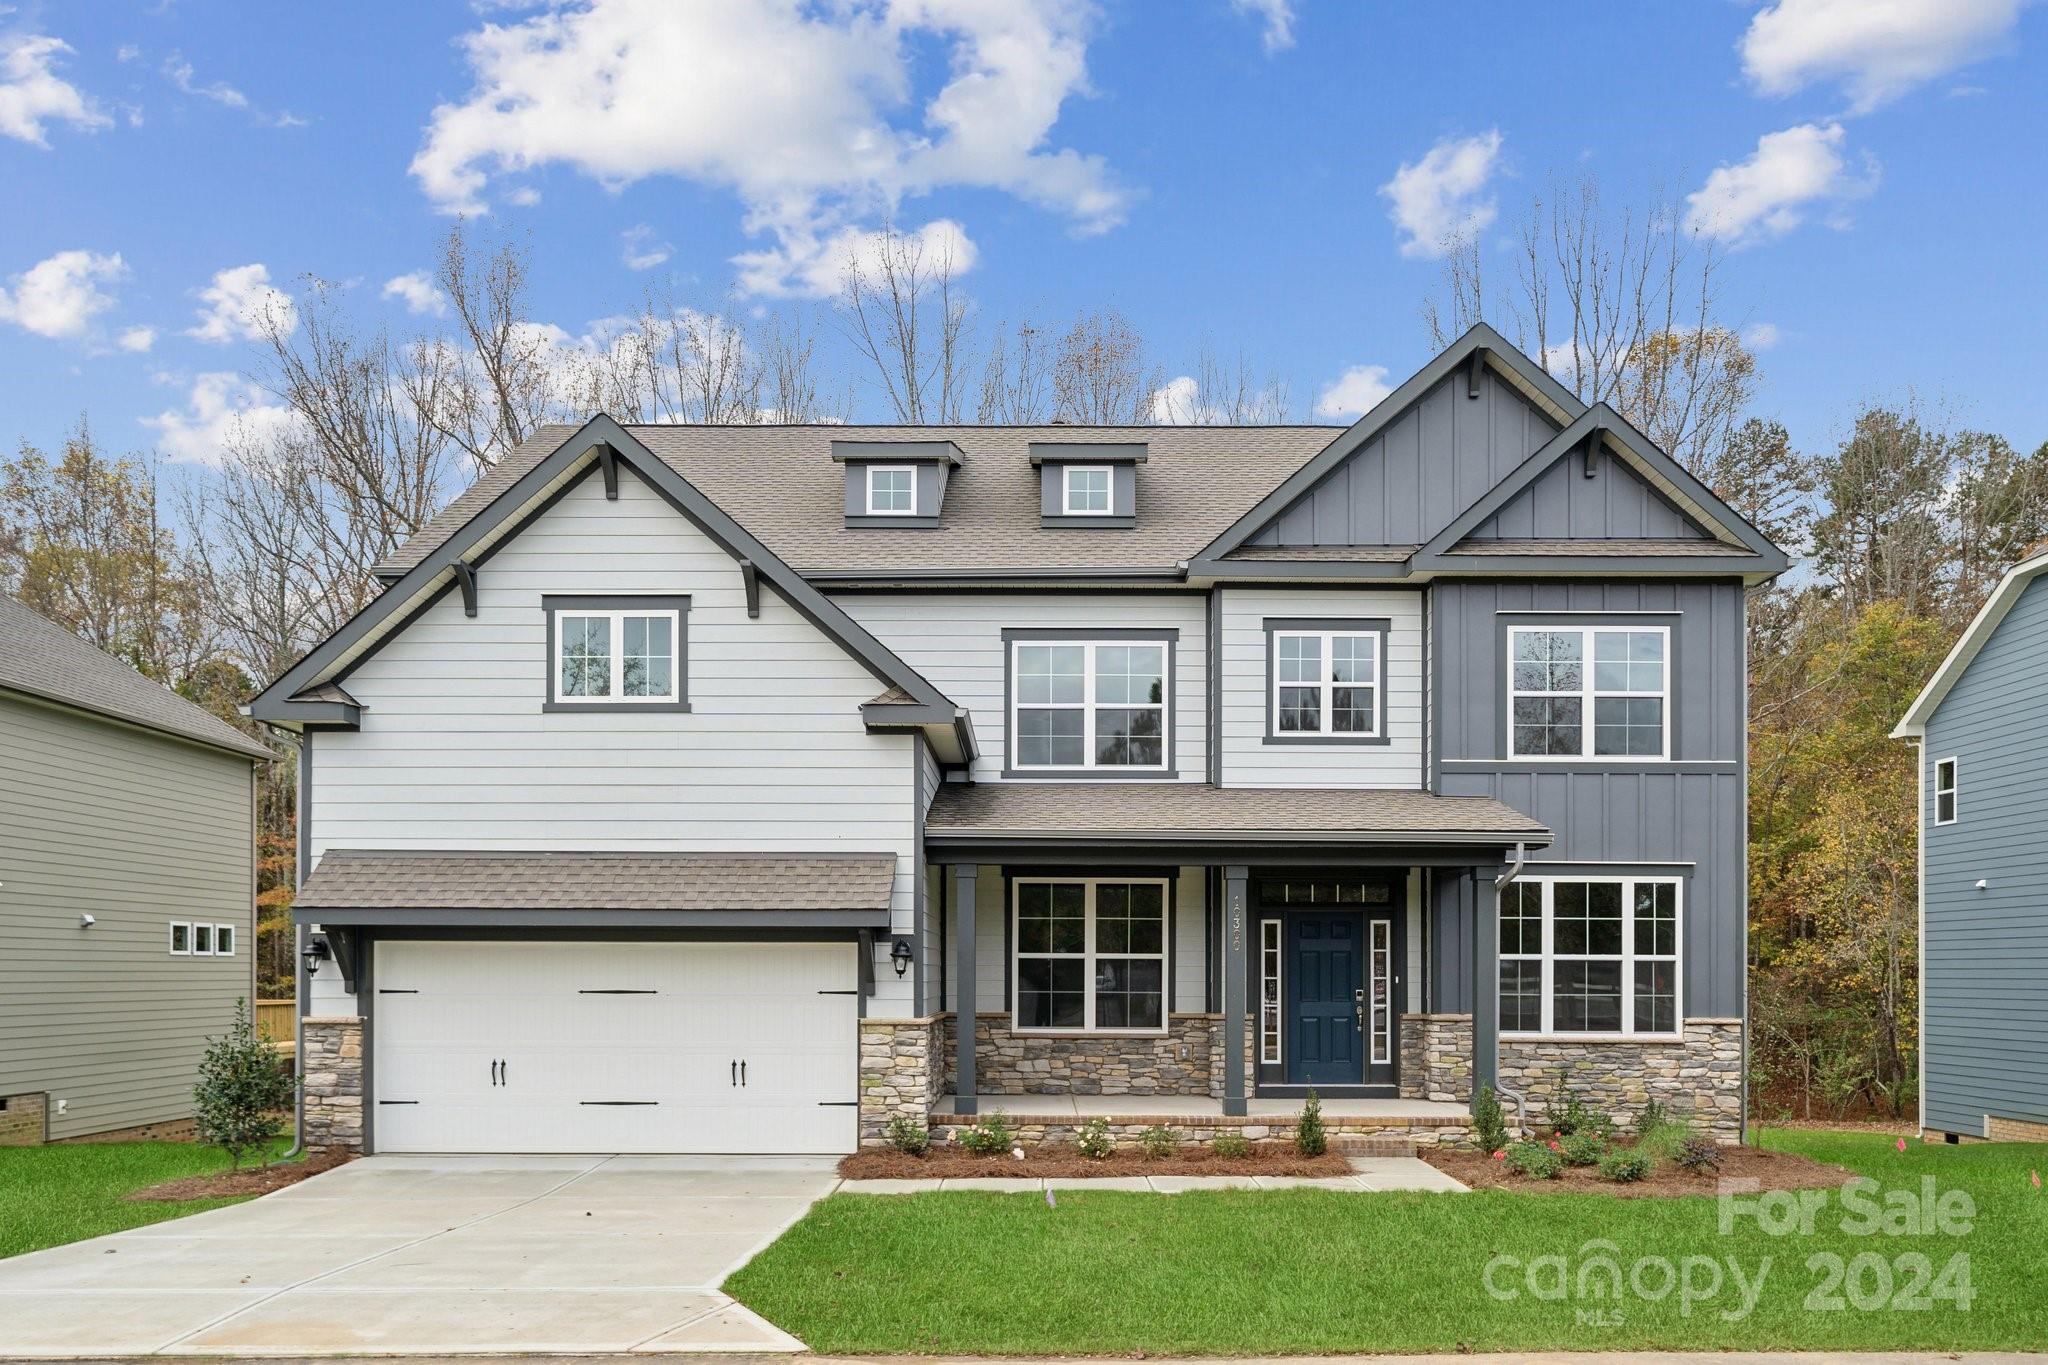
(1326, 969)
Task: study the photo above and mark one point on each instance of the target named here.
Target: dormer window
(892, 490)
(1086, 490)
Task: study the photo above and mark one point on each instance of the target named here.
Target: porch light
(316, 953)
(899, 955)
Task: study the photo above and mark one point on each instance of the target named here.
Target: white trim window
(1087, 490)
(892, 490)
(627, 655)
(1326, 682)
(179, 941)
(1089, 956)
(223, 940)
(1945, 786)
(1589, 692)
(1590, 957)
(1270, 956)
(1089, 704)
(202, 940)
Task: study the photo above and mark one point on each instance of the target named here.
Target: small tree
(1309, 1137)
(1489, 1124)
(243, 1088)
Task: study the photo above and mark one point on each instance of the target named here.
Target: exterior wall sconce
(316, 953)
(899, 955)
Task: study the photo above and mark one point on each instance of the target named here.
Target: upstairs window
(1945, 792)
(616, 652)
(1089, 705)
(1086, 490)
(892, 490)
(1324, 684)
(1584, 692)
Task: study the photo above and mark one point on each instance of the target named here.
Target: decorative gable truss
(310, 694)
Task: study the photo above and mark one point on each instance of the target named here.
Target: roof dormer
(1088, 484)
(896, 485)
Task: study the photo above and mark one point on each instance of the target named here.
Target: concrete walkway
(1369, 1174)
(430, 1255)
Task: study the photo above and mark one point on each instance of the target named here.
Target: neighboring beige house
(127, 888)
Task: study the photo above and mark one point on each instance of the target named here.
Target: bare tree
(1098, 373)
(789, 377)
(509, 368)
(1016, 381)
(1223, 393)
(904, 311)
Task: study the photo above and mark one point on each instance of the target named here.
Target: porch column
(1483, 898)
(964, 878)
(1234, 880)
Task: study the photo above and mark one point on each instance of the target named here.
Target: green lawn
(1307, 1271)
(67, 1192)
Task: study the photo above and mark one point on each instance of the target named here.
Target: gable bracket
(1592, 451)
(608, 463)
(750, 579)
(465, 578)
(1475, 365)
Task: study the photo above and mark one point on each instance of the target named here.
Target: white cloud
(1876, 50)
(237, 304)
(136, 339)
(419, 292)
(1357, 391)
(1441, 198)
(1177, 402)
(1770, 193)
(639, 250)
(221, 409)
(1761, 336)
(1278, 16)
(838, 135)
(60, 296)
(805, 265)
(181, 74)
(32, 93)
(522, 196)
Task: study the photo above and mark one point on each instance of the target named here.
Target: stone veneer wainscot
(1179, 1062)
(332, 1067)
(1697, 1077)
(899, 1074)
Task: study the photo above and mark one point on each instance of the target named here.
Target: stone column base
(899, 1075)
(331, 1096)
(1436, 1057)
(1697, 1077)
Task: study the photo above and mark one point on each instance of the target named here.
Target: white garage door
(615, 1047)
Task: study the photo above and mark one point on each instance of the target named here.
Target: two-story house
(738, 789)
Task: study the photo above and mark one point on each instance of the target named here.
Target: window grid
(643, 643)
(892, 490)
(1094, 950)
(1270, 956)
(1569, 945)
(1078, 704)
(1945, 792)
(1326, 683)
(1086, 490)
(1578, 692)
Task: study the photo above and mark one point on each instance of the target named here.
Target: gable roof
(1913, 725)
(293, 699)
(39, 658)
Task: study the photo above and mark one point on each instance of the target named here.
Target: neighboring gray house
(744, 788)
(1981, 731)
(127, 887)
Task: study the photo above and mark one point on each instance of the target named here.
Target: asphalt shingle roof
(40, 658)
(384, 879)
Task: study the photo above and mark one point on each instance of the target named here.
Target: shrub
(1653, 1116)
(1582, 1149)
(1231, 1146)
(1489, 1124)
(1567, 1112)
(1094, 1139)
(1158, 1142)
(1534, 1160)
(1624, 1168)
(993, 1136)
(1309, 1137)
(243, 1090)
(909, 1136)
(1698, 1154)
(1662, 1142)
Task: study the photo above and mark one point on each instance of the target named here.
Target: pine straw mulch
(250, 1180)
(1065, 1161)
(1666, 1180)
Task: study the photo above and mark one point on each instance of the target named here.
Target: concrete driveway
(429, 1255)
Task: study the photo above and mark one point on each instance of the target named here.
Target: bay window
(1089, 955)
(1589, 692)
(1594, 956)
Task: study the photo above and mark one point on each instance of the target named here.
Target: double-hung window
(1590, 956)
(1089, 704)
(622, 652)
(1945, 792)
(1326, 683)
(892, 490)
(1085, 490)
(1589, 692)
(1089, 955)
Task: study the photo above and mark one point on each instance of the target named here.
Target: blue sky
(1218, 171)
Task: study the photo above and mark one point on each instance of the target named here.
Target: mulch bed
(1771, 1171)
(248, 1180)
(1065, 1161)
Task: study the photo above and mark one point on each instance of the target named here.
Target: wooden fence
(274, 1021)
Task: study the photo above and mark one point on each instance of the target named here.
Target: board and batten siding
(1250, 760)
(455, 751)
(1615, 504)
(1984, 985)
(956, 641)
(1685, 816)
(136, 830)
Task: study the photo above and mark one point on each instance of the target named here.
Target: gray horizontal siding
(137, 831)
(1984, 987)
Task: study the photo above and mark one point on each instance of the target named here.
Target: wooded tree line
(1900, 527)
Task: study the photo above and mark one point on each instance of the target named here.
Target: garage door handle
(735, 1072)
(743, 1073)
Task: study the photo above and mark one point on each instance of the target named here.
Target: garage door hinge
(398, 1101)
(395, 990)
(839, 992)
(617, 992)
(838, 1104)
(617, 1104)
